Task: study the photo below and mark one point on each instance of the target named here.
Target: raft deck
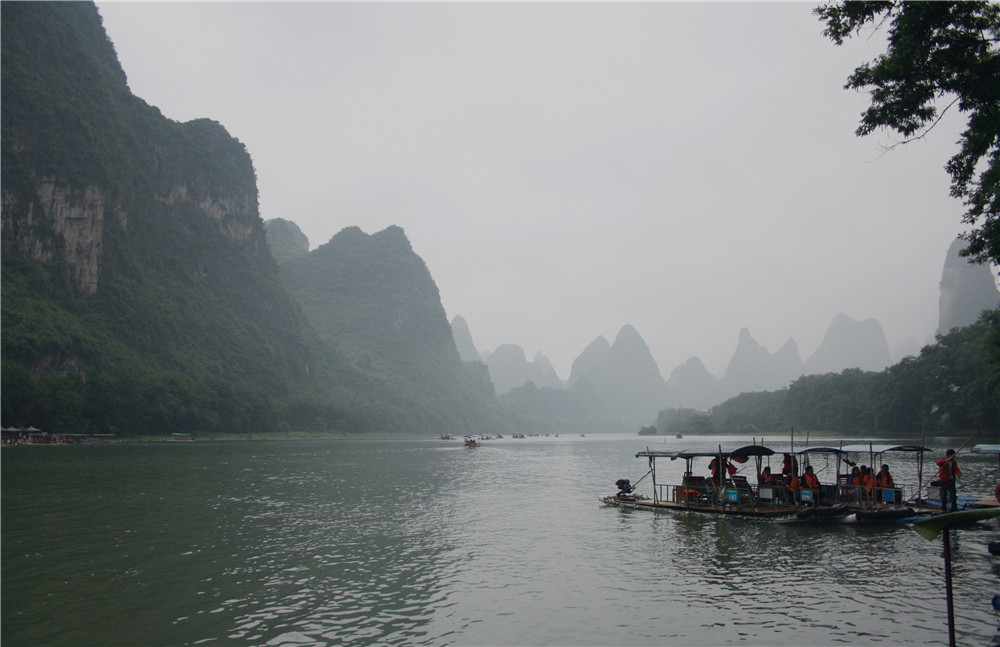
(741, 510)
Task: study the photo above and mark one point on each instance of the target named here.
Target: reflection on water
(361, 542)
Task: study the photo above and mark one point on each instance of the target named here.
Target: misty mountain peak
(850, 344)
(592, 357)
(285, 239)
(463, 340)
(966, 290)
(628, 380)
(510, 369)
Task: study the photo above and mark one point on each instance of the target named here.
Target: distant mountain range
(626, 381)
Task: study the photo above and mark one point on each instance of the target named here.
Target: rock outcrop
(966, 290)
(463, 340)
(285, 239)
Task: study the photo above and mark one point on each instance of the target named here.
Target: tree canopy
(939, 55)
(952, 386)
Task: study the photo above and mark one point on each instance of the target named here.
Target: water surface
(363, 542)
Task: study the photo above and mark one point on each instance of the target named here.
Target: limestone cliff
(133, 250)
(966, 290)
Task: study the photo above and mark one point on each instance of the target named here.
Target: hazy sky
(566, 169)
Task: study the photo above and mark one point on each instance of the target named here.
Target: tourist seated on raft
(867, 480)
(884, 479)
(811, 482)
(766, 478)
(792, 483)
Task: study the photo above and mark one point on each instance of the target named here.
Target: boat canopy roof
(986, 449)
(809, 450)
(742, 452)
(878, 449)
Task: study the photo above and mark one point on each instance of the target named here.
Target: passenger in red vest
(884, 479)
(766, 478)
(792, 482)
(809, 479)
(948, 472)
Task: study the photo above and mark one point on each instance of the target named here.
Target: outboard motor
(624, 486)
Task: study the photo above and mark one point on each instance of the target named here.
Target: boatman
(948, 472)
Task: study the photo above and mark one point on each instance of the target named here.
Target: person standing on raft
(948, 472)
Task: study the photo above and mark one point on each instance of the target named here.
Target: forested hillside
(372, 300)
(953, 386)
(139, 295)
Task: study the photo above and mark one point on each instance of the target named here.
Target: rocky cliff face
(63, 223)
(371, 298)
(966, 290)
(463, 340)
(132, 246)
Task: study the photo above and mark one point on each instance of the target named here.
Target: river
(426, 542)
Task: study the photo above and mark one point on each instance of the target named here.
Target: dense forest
(952, 386)
(139, 295)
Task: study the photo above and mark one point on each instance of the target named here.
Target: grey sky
(565, 169)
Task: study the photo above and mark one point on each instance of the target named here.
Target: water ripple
(419, 542)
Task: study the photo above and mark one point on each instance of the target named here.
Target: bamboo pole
(946, 540)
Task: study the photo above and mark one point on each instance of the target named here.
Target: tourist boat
(902, 502)
(735, 495)
(470, 441)
(839, 500)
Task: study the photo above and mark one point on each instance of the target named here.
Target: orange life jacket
(811, 480)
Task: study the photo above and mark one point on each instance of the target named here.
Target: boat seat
(696, 481)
